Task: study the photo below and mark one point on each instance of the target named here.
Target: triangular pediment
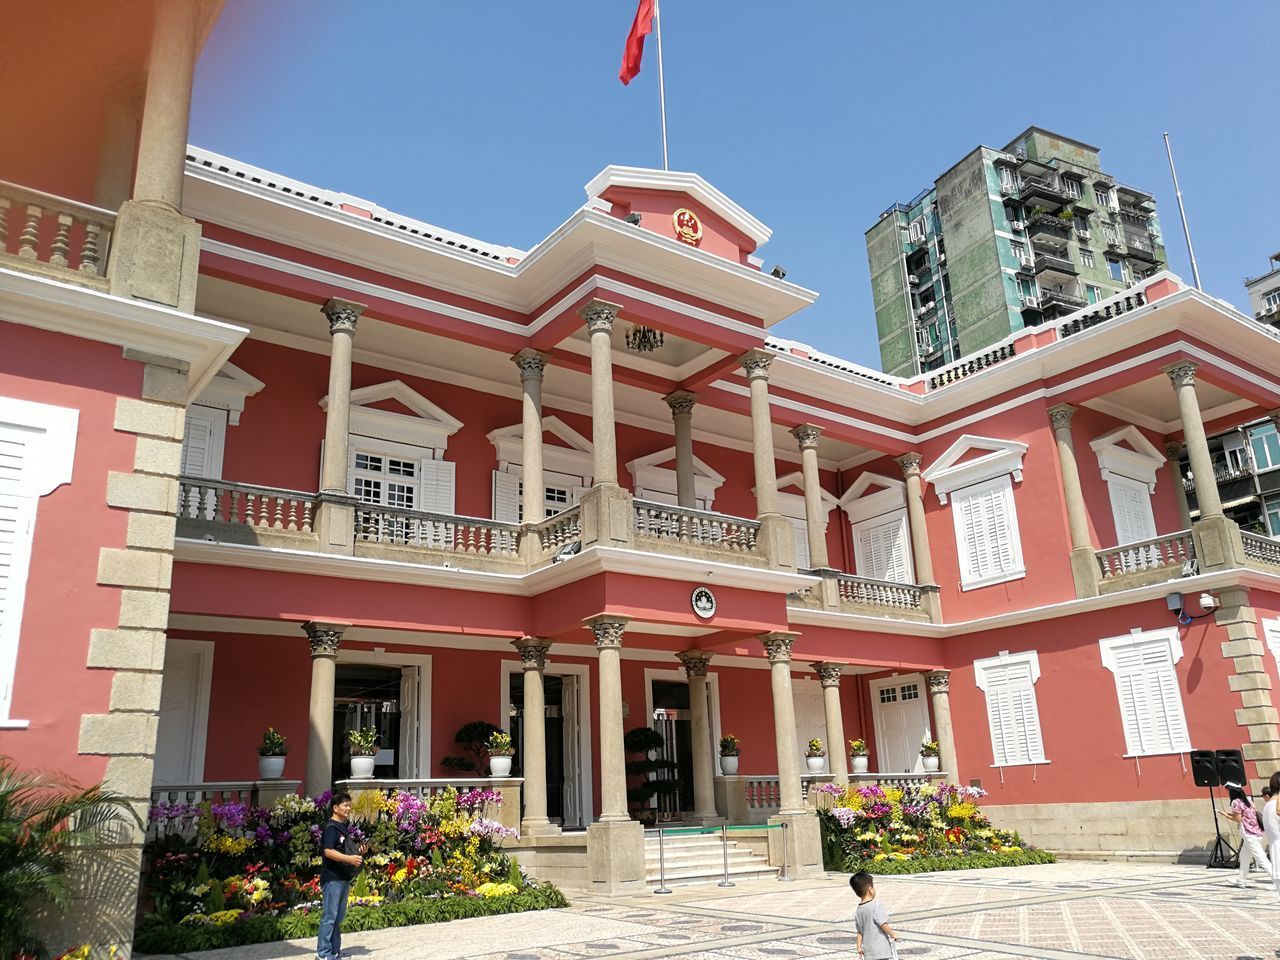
(873, 495)
(792, 485)
(228, 390)
(564, 450)
(972, 459)
(395, 411)
(1126, 452)
(656, 473)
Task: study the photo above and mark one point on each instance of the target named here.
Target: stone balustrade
(686, 527)
(436, 531)
(861, 595)
(1260, 549)
(1147, 561)
(558, 532)
(54, 236)
(223, 504)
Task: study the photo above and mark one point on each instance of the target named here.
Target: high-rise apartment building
(1264, 293)
(1005, 239)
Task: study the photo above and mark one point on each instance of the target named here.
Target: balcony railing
(695, 527)
(964, 368)
(239, 505)
(1261, 549)
(436, 531)
(1047, 261)
(1052, 297)
(560, 531)
(1103, 311)
(54, 235)
(879, 593)
(1222, 473)
(1158, 553)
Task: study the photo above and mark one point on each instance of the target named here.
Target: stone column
(777, 646)
(533, 743)
(940, 693)
(704, 784)
(1084, 563)
(815, 515)
(531, 364)
(608, 632)
(1217, 539)
(910, 463)
(681, 403)
(776, 536)
(1173, 455)
(119, 138)
(599, 317)
(335, 510)
(837, 746)
(325, 639)
(155, 249)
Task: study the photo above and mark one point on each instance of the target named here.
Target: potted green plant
(815, 756)
(858, 755)
(363, 745)
(929, 754)
(730, 747)
(271, 753)
(500, 752)
(657, 776)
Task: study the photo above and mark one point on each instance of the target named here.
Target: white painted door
(184, 712)
(901, 721)
(573, 802)
(811, 720)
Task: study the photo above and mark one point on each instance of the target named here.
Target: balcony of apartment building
(1043, 186)
(1054, 268)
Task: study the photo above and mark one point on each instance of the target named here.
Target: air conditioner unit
(941, 256)
(1083, 234)
(1018, 225)
(1027, 261)
(1032, 302)
(912, 279)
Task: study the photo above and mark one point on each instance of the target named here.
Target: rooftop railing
(53, 235)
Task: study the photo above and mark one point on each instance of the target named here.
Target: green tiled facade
(1003, 240)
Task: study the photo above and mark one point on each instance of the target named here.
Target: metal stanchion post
(724, 849)
(662, 866)
(786, 869)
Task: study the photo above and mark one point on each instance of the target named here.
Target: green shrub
(156, 937)
(973, 861)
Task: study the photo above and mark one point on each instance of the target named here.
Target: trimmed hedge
(183, 938)
(974, 861)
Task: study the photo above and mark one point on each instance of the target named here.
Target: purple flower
(844, 816)
(263, 832)
(472, 800)
(491, 829)
(316, 832)
(230, 815)
(324, 800)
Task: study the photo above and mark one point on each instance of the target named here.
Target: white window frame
(1272, 298)
(1180, 738)
(915, 233)
(862, 563)
(1092, 292)
(1113, 262)
(984, 673)
(1071, 187)
(1086, 258)
(51, 438)
(1018, 569)
(217, 421)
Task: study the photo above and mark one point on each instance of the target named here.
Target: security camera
(1208, 601)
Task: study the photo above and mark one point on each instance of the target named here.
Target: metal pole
(786, 868)
(1177, 191)
(724, 850)
(662, 867)
(662, 88)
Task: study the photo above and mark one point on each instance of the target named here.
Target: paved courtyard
(1065, 911)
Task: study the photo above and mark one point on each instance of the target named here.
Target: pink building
(266, 460)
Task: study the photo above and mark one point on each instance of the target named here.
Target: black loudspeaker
(1204, 768)
(1230, 767)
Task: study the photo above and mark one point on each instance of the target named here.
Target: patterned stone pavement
(1067, 911)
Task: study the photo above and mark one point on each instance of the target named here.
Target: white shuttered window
(1151, 712)
(880, 548)
(1012, 714)
(203, 440)
(1131, 508)
(987, 537)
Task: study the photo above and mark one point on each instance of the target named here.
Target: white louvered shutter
(437, 491)
(1150, 701)
(506, 497)
(202, 442)
(881, 549)
(1012, 713)
(986, 531)
(17, 519)
(801, 531)
(1131, 507)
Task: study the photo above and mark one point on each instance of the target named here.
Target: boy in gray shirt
(876, 940)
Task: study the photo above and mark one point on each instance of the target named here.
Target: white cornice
(949, 472)
(81, 312)
(1138, 461)
(228, 390)
(674, 181)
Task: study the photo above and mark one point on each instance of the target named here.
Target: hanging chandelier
(643, 339)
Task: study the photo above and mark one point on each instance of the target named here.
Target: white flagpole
(1177, 191)
(662, 90)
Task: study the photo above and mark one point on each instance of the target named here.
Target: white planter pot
(930, 764)
(270, 768)
(362, 768)
(859, 763)
(499, 766)
(729, 766)
(816, 764)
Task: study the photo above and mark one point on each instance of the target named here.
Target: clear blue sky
(487, 118)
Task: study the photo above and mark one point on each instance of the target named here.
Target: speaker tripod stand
(1223, 855)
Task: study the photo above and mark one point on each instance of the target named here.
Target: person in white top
(1271, 828)
(1242, 812)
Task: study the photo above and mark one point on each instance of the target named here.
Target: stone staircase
(699, 859)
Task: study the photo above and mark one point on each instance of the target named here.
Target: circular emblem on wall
(704, 603)
(688, 226)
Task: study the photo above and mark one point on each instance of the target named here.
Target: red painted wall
(53, 687)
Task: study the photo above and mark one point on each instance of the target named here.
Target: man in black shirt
(337, 869)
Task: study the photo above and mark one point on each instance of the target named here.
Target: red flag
(640, 29)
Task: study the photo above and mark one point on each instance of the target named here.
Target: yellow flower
(893, 794)
(400, 875)
(962, 811)
(496, 889)
(225, 843)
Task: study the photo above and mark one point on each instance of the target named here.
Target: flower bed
(914, 829)
(224, 874)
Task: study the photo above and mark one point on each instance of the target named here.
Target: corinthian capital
(681, 402)
(939, 681)
(533, 652)
(910, 463)
(777, 646)
(695, 662)
(325, 638)
(608, 631)
(599, 315)
(342, 314)
(756, 364)
(531, 363)
(1183, 374)
(828, 674)
(1060, 416)
(807, 436)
